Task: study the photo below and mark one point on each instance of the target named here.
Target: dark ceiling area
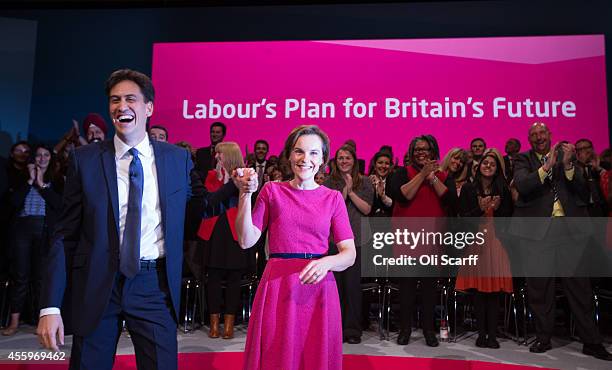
(106, 4)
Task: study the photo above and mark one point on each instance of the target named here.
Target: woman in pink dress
(295, 322)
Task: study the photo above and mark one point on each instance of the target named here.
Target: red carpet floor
(233, 361)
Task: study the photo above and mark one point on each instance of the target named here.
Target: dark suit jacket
(536, 198)
(88, 230)
(204, 160)
(3, 177)
(509, 168)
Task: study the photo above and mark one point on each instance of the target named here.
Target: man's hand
(50, 331)
(552, 158)
(568, 152)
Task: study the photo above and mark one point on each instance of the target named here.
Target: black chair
(376, 287)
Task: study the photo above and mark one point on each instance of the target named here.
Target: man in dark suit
(122, 228)
(552, 188)
(205, 157)
(4, 218)
(261, 164)
(513, 148)
(588, 161)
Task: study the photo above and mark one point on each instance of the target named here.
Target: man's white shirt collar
(143, 147)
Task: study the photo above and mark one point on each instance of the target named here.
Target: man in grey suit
(552, 188)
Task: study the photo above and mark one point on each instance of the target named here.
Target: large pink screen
(384, 91)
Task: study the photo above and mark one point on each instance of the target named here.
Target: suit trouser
(349, 290)
(556, 255)
(541, 297)
(144, 302)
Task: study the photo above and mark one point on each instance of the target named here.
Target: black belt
(152, 264)
(304, 256)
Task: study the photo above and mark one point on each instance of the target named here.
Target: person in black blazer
(484, 204)
(551, 187)
(122, 223)
(205, 157)
(513, 148)
(37, 202)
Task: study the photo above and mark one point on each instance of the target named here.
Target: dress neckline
(290, 186)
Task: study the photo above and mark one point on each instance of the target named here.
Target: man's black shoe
(540, 347)
(597, 351)
(481, 341)
(492, 343)
(353, 339)
(431, 340)
(403, 338)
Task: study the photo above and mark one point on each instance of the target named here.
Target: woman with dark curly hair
(419, 193)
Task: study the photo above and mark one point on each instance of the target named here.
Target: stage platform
(197, 351)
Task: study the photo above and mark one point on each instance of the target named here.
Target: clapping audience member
(456, 165)
(380, 170)
(225, 260)
(358, 194)
(418, 191)
(487, 197)
(37, 203)
(552, 187)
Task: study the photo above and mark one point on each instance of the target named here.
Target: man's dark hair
(478, 139)
(584, 140)
(143, 81)
(219, 124)
(165, 130)
(21, 142)
(261, 141)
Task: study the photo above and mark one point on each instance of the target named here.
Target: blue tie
(129, 262)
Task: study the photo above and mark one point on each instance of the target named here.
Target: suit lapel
(110, 173)
(533, 158)
(160, 165)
